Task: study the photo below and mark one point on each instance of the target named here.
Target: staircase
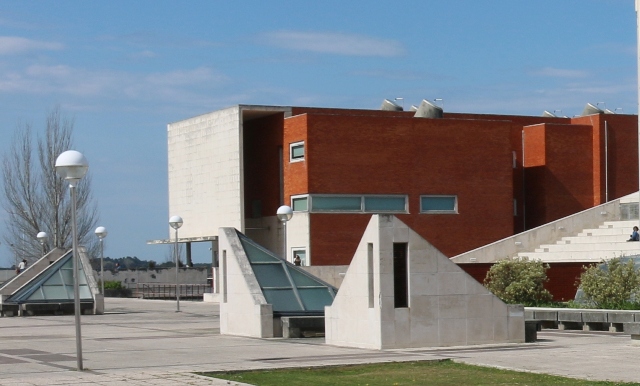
(607, 241)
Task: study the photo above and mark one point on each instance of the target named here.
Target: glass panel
(55, 279)
(254, 253)
(336, 203)
(297, 151)
(300, 204)
(438, 203)
(37, 295)
(85, 293)
(384, 204)
(302, 280)
(282, 300)
(271, 275)
(67, 276)
(82, 278)
(56, 292)
(315, 299)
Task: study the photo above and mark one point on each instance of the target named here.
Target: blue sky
(124, 69)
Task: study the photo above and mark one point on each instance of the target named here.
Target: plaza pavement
(145, 342)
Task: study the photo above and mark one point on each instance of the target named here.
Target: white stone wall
(205, 172)
(243, 309)
(447, 307)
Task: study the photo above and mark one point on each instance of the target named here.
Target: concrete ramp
(401, 292)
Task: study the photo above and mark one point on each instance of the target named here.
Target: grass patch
(436, 373)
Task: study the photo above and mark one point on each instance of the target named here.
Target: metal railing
(168, 291)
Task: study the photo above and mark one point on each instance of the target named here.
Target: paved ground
(145, 342)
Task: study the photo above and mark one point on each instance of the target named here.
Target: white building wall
(205, 172)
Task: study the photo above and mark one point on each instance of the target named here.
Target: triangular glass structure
(54, 284)
(289, 289)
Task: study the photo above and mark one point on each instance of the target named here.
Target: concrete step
(593, 239)
(605, 232)
(585, 256)
(633, 247)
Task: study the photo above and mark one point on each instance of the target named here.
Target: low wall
(584, 319)
(331, 274)
(129, 278)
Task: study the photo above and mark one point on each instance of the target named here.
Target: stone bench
(302, 326)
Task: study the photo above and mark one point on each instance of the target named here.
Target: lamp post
(101, 232)
(284, 214)
(176, 223)
(72, 166)
(42, 237)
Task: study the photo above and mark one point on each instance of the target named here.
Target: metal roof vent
(413, 108)
(608, 111)
(590, 109)
(388, 105)
(428, 110)
(548, 114)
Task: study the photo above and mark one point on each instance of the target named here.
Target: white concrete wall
(447, 307)
(243, 309)
(298, 236)
(205, 172)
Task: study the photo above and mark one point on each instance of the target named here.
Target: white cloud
(334, 43)
(11, 45)
(560, 73)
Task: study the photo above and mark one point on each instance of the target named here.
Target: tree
(519, 281)
(614, 285)
(37, 199)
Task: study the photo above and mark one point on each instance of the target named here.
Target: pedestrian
(634, 236)
(297, 261)
(22, 266)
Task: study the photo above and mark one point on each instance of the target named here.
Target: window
(296, 152)
(350, 203)
(439, 204)
(303, 256)
(300, 204)
(336, 203)
(400, 275)
(385, 204)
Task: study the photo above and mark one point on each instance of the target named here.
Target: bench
(302, 326)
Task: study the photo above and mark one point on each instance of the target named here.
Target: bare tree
(36, 199)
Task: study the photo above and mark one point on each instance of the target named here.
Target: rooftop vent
(548, 114)
(428, 110)
(590, 109)
(388, 105)
(413, 108)
(608, 111)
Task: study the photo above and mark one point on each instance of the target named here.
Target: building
(457, 179)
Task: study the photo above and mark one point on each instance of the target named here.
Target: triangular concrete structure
(445, 306)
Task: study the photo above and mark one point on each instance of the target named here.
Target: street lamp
(284, 214)
(72, 166)
(176, 223)
(42, 237)
(101, 232)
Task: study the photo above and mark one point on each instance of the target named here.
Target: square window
(302, 253)
(296, 152)
(300, 204)
(438, 204)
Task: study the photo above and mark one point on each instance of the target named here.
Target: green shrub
(519, 281)
(614, 285)
(113, 285)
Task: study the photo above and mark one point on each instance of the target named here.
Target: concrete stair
(591, 245)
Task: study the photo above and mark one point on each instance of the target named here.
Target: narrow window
(515, 207)
(377, 204)
(224, 275)
(400, 276)
(337, 203)
(515, 159)
(296, 151)
(370, 274)
(439, 204)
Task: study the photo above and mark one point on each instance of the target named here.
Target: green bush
(614, 285)
(519, 281)
(113, 285)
